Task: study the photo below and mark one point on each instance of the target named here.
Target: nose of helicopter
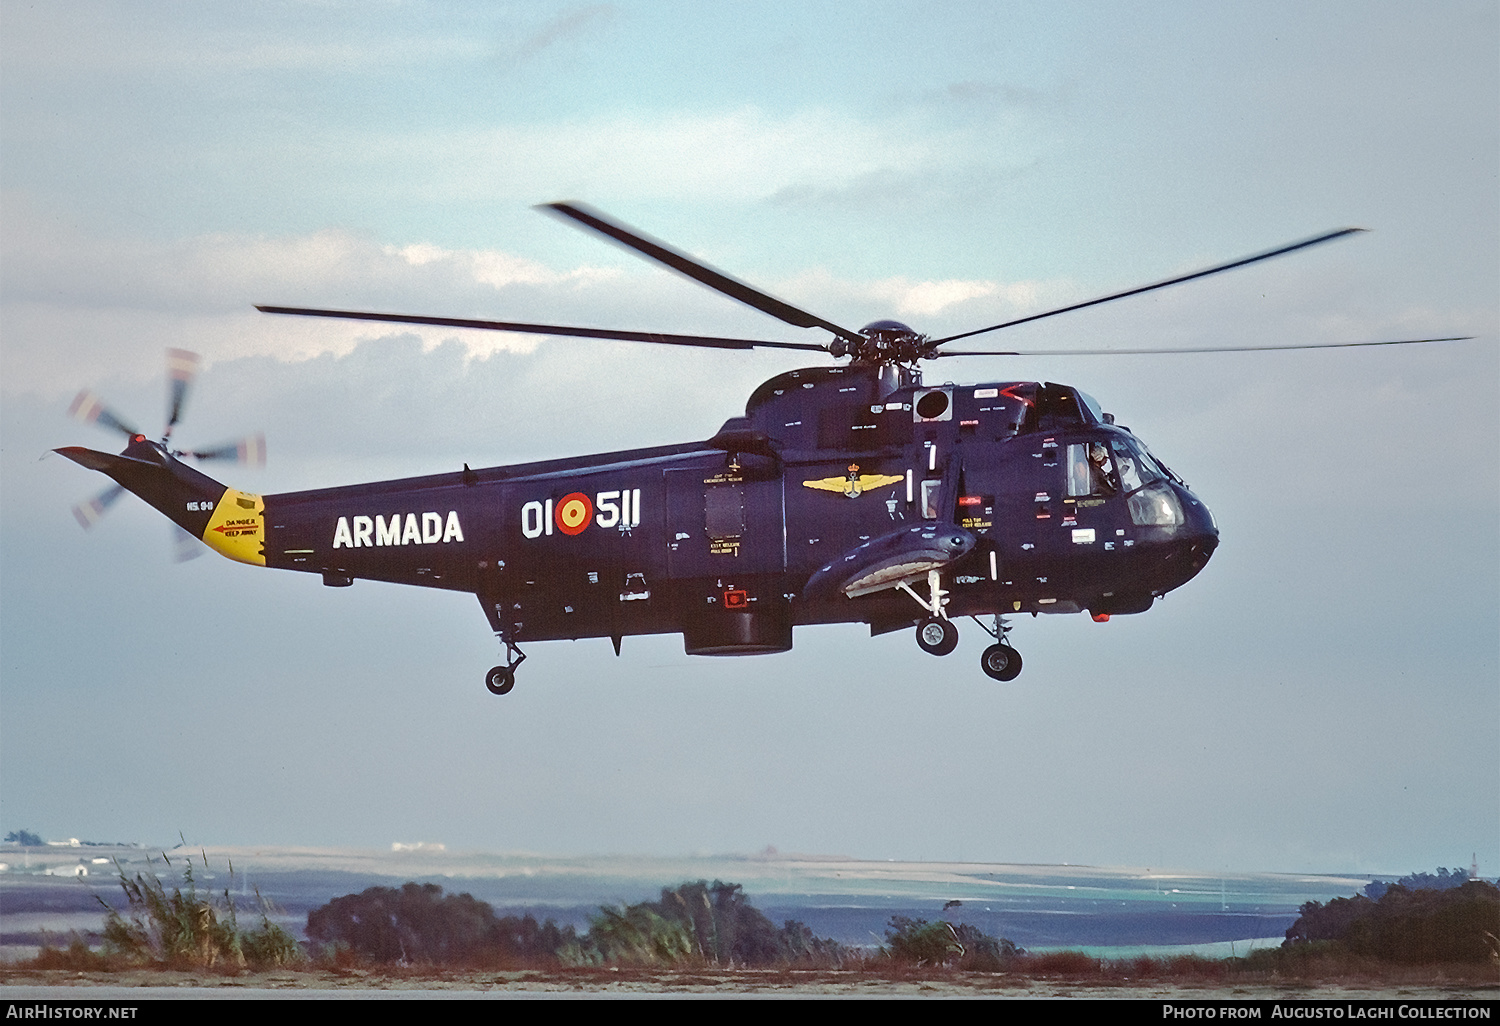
(1196, 539)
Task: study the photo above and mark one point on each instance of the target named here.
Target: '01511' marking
(574, 512)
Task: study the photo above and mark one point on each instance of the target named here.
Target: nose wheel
(937, 636)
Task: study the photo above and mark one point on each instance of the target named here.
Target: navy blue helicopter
(846, 493)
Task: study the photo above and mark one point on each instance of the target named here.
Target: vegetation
(1444, 879)
(25, 838)
(917, 942)
(1452, 924)
(697, 926)
(703, 924)
(418, 924)
(693, 924)
(188, 929)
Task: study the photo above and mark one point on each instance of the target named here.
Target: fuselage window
(1091, 470)
(930, 490)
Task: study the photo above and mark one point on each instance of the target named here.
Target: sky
(1324, 697)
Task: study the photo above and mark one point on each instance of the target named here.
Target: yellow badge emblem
(852, 484)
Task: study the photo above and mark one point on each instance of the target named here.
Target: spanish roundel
(574, 512)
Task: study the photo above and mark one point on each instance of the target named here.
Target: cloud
(93, 38)
(76, 306)
(946, 299)
(739, 155)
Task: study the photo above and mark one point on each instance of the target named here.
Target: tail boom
(229, 521)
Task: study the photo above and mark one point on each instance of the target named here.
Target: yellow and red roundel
(573, 513)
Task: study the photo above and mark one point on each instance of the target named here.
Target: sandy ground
(32, 984)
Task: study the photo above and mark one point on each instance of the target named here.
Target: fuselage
(1050, 508)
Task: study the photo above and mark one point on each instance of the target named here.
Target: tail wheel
(1001, 662)
(937, 636)
(500, 680)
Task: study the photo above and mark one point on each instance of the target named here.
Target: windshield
(1134, 465)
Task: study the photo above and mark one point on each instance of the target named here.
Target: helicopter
(846, 492)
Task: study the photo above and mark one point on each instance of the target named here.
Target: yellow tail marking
(238, 527)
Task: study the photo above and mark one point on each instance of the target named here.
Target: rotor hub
(882, 343)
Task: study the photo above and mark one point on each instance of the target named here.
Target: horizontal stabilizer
(104, 462)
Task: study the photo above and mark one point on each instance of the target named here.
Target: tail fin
(229, 521)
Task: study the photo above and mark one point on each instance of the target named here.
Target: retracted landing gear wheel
(937, 636)
(1001, 662)
(500, 680)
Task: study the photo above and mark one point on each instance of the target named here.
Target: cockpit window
(1091, 470)
(1135, 467)
(1110, 467)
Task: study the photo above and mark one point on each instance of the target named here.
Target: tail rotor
(182, 370)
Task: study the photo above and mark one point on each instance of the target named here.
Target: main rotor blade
(250, 450)
(707, 341)
(1197, 349)
(1282, 251)
(717, 280)
(90, 409)
(182, 368)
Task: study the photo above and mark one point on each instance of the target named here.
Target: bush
(186, 929)
(695, 923)
(1442, 880)
(917, 942)
(76, 957)
(420, 924)
(798, 946)
(1456, 924)
(703, 923)
(1063, 963)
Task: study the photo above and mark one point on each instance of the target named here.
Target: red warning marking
(573, 513)
(1007, 392)
(736, 599)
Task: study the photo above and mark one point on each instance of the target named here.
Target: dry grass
(1067, 973)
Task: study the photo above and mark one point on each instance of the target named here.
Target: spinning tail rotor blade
(90, 409)
(250, 450)
(182, 368)
(654, 249)
(88, 513)
(1231, 265)
(185, 547)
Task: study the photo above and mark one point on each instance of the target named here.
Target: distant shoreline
(1101, 910)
